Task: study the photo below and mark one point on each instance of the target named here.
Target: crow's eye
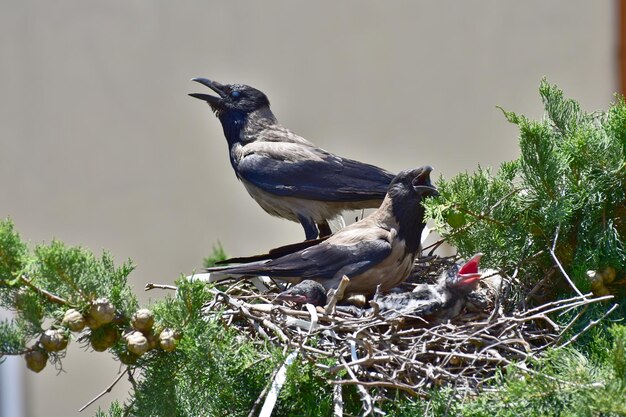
(235, 94)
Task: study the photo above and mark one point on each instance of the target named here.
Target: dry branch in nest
(381, 354)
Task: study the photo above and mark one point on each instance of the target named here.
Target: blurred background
(100, 146)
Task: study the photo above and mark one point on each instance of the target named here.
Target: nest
(381, 354)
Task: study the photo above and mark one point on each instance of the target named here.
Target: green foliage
(215, 257)
(29, 307)
(617, 357)
(478, 200)
(568, 184)
(566, 382)
(209, 373)
(115, 410)
(11, 338)
(306, 394)
(76, 275)
(12, 252)
(40, 285)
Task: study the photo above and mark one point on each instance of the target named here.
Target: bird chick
(308, 291)
(285, 174)
(434, 302)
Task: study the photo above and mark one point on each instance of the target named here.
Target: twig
(107, 390)
(337, 401)
(262, 395)
(18, 353)
(368, 360)
(561, 304)
(539, 284)
(570, 324)
(366, 399)
(51, 297)
(556, 260)
(386, 384)
(337, 295)
(151, 286)
(587, 327)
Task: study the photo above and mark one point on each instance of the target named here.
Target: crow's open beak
(424, 176)
(422, 182)
(213, 85)
(426, 189)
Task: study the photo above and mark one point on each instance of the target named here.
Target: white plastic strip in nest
(314, 319)
(260, 283)
(277, 385)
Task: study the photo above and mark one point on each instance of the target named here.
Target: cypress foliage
(566, 191)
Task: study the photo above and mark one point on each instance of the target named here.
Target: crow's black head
(464, 278)
(406, 192)
(308, 291)
(412, 181)
(232, 97)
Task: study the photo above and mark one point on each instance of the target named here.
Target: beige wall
(100, 145)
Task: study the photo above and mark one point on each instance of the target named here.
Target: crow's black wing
(323, 261)
(297, 170)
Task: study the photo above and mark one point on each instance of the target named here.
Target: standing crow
(286, 174)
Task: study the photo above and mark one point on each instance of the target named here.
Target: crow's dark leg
(324, 229)
(310, 229)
